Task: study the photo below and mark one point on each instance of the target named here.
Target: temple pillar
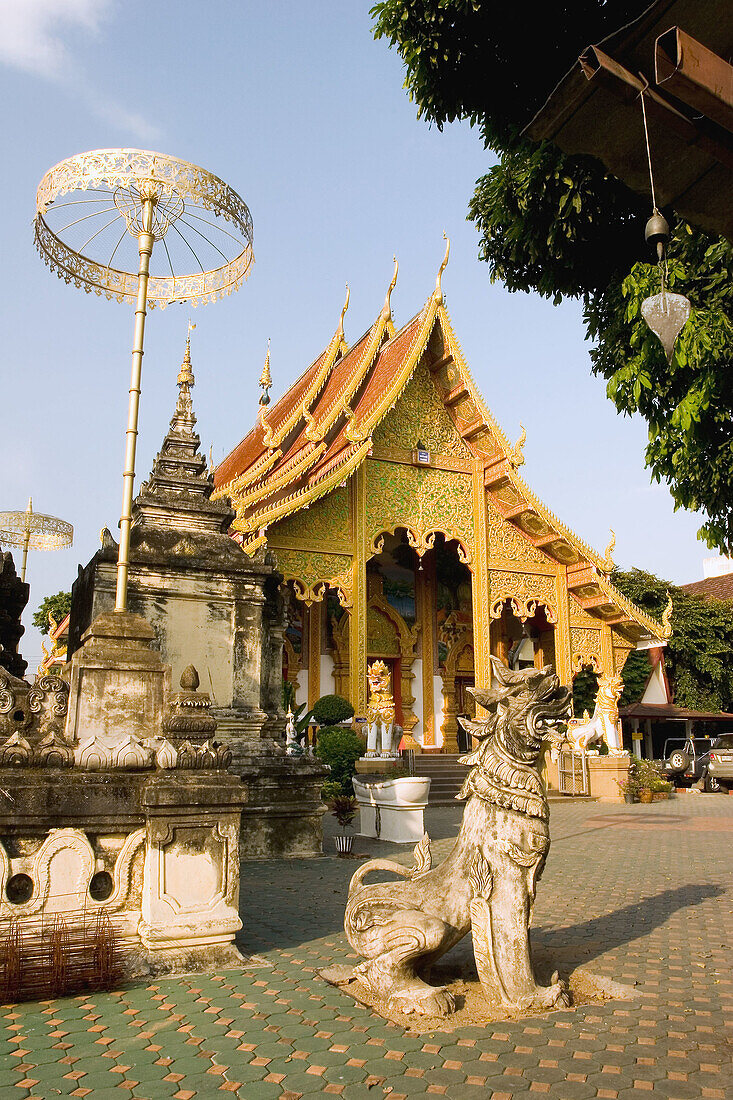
(425, 591)
(314, 654)
(563, 657)
(358, 610)
(480, 581)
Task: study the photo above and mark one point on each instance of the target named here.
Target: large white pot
(392, 809)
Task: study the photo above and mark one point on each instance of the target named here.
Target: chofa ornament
(487, 884)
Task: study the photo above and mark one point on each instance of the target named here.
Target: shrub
(330, 790)
(331, 709)
(340, 748)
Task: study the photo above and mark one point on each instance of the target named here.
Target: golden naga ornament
(667, 617)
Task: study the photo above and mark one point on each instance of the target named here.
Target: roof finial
(608, 561)
(185, 374)
(266, 378)
(667, 616)
(340, 329)
(438, 288)
(387, 311)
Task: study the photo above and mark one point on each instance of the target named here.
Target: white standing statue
(605, 724)
(380, 712)
(292, 745)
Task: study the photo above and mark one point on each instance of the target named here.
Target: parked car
(721, 760)
(687, 759)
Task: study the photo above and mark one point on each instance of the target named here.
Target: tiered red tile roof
(321, 429)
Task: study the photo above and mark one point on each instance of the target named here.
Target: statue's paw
(424, 1000)
(555, 995)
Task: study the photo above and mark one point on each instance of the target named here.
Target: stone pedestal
(605, 774)
(118, 681)
(377, 765)
(393, 810)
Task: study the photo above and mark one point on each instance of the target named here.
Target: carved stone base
(157, 855)
(605, 774)
(282, 815)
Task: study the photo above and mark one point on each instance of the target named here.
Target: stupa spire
(183, 415)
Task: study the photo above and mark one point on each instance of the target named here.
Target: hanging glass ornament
(666, 314)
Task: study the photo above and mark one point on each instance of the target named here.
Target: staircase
(445, 773)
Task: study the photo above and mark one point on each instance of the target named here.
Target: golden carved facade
(390, 471)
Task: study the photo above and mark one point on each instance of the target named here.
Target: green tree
(699, 655)
(564, 227)
(59, 606)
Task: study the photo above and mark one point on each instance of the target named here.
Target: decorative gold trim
(608, 553)
(517, 455)
(314, 654)
(358, 613)
(356, 432)
(141, 168)
(387, 308)
(438, 293)
(667, 616)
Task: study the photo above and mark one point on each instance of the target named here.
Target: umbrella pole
(145, 248)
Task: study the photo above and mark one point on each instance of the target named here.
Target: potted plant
(648, 777)
(343, 808)
(629, 788)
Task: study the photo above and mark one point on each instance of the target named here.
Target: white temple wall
(438, 703)
(328, 686)
(417, 707)
(301, 687)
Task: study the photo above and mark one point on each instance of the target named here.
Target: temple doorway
(523, 642)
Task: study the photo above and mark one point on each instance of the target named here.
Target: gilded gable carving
(325, 521)
(585, 648)
(420, 415)
(526, 591)
(506, 545)
(382, 638)
(579, 616)
(423, 500)
(312, 573)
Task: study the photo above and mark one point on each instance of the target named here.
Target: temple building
(393, 504)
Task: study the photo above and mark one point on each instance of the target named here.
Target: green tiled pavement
(642, 894)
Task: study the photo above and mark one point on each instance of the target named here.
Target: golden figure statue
(380, 711)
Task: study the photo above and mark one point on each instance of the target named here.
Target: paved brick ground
(639, 893)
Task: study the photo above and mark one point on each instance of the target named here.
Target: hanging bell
(665, 315)
(657, 233)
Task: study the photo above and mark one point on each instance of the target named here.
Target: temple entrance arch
(523, 633)
(458, 677)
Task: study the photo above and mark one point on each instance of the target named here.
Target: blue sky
(299, 110)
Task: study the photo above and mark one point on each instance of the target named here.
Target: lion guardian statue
(487, 883)
(605, 724)
(380, 712)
